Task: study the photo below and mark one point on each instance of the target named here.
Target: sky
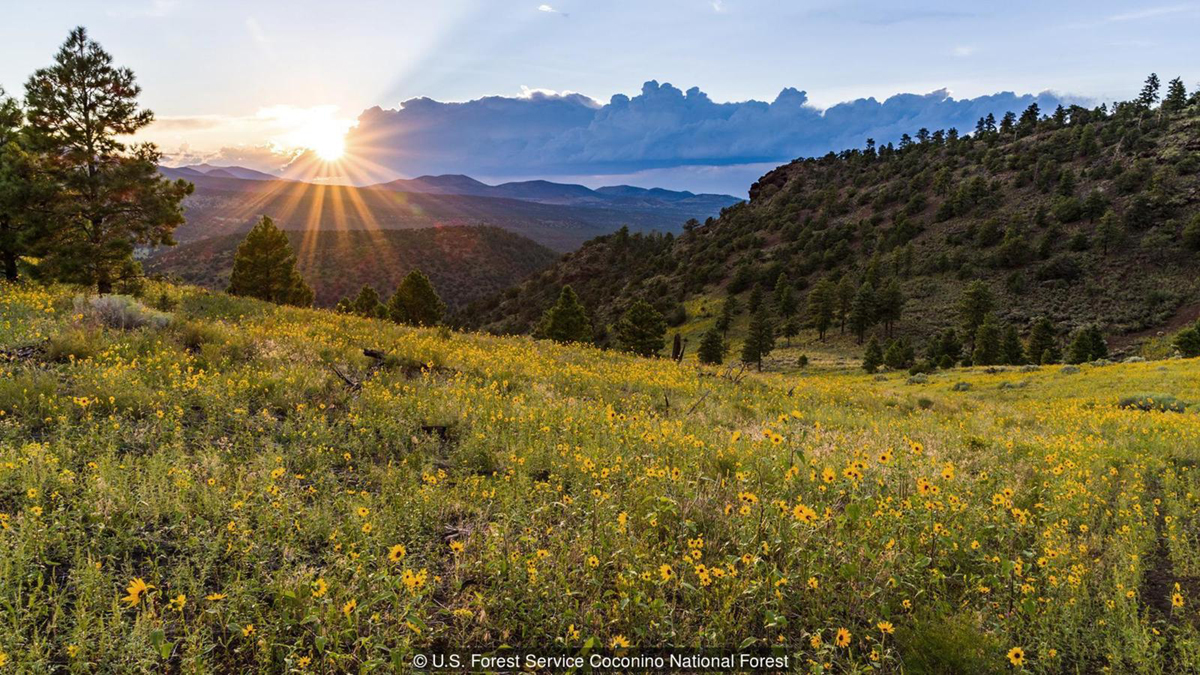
(256, 82)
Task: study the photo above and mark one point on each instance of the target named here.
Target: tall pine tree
(567, 321)
(112, 198)
(760, 339)
(712, 347)
(642, 330)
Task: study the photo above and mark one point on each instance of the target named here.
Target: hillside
(1018, 205)
(226, 205)
(464, 263)
(199, 490)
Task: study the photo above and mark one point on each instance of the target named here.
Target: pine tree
(987, 343)
(862, 311)
(729, 309)
(111, 196)
(821, 306)
(791, 328)
(368, 303)
(1149, 95)
(845, 298)
(760, 339)
(642, 330)
(873, 356)
(890, 305)
(416, 302)
(975, 304)
(1176, 98)
(24, 193)
(1110, 232)
(756, 298)
(1043, 345)
(264, 267)
(566, 321)
(1012, 352)
(784, 299)
(712, 347)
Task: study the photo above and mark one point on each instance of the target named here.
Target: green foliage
(1043, 342)
(760, 339)
(1012, 352)
(367, 304)
(974, 306)
(872, 356)
(109, 198)
(1187, 342)
(1152, 403)
(862, 311)
(821, 304)
(264, 267)
(987, 343)
(712, 347)
(1088, 344)
(642, 330)
(415, 302)
(567, 321)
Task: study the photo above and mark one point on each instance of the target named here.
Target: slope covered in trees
(1083, 216)
(464, 263)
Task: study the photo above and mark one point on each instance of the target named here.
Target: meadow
(225, 485)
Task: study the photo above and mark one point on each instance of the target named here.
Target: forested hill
(1081, 215)
(465, 263)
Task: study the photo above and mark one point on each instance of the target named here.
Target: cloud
(1149, 13)
(558, 134)
(718, 6)
(550, 10)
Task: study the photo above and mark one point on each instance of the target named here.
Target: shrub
(72, 344)
(1152, 403)
(120, 311)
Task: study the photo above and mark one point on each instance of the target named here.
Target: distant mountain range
(546, 192)
(228, 200)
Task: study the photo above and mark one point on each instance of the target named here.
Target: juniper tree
(112, 198)
(987, 343)
(416, 302)
(264, 267)
(642, 330)
(566, 321)
(1109, 231)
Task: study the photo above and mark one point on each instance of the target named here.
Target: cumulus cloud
(550, 134)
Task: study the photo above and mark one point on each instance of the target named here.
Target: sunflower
(842, 638)
(397, 553)
(136, 589)
(1016, 656)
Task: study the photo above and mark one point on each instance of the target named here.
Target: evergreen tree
(1187, 341)
(416, 302)
(873, 356)
(24, 193)
(898, 354)
(264, 267)
(785, 298)
(1012, 352)
(1149, 95)
(112, 198)
(845, 298)
(642, 330)
(821, 304)
(566, 321)
(1191, 233)
(729, 310)
(756, 298)
(1110, 232)
(987, 343)
(368, 303)
(791, 328)
(1087, 345)
(1043, 345)
(974, 305)
(1176, 98)
(862, 311)
(890, 305)
(760, 339)
(712, 347)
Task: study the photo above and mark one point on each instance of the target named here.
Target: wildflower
(665, 572)
(397, 553)
(1177, 600)
(457, 547)
(813, 583)
(593, 561)
(619, 641)
(1016, 656)
(886, 627)
(804, 514)
(215, 597)
(366, 528)
(319, 587)
(349, 607)
(135, 589)
(248, 630)
(178, 602)
(363, 512)
(843, 637)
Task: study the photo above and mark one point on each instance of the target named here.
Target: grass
(483, 491)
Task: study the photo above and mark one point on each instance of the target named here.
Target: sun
(326, 141)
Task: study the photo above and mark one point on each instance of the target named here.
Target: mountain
(1083, 216)
(222, 205)
(464, 263)
(546, 192)
(218, 172)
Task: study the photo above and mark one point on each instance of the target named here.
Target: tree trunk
(103, 285)
(10, 265)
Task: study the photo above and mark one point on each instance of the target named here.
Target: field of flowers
(236, 487)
